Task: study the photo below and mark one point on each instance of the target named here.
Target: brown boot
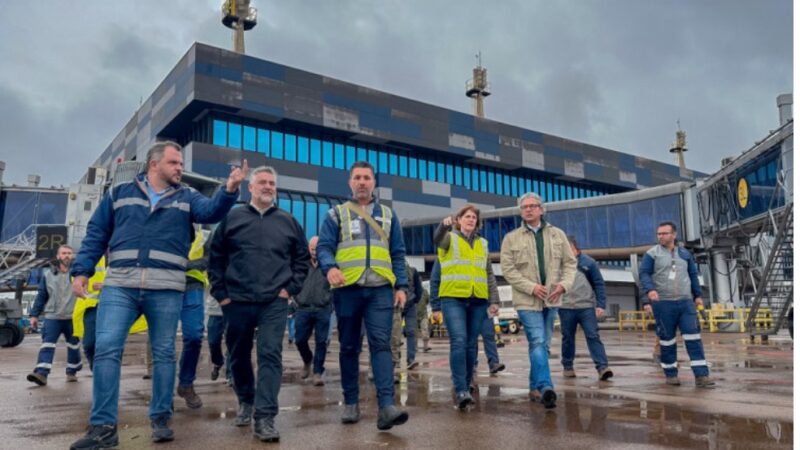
(569, 373)
(317, 380)
(306, 372)
(605, 373)
(673, 381)
(534, 396)
(704, 382)
(193, 400)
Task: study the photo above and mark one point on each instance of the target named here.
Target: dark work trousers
(317, 321)
(53, 329)
(89, 327)
(243, 319)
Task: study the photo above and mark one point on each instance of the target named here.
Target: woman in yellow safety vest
(85, 313)
(467, 291)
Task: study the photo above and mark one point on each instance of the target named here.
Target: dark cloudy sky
(613, 73)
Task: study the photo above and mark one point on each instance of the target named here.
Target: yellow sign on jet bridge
(743, 193)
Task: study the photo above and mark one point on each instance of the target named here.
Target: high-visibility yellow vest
(464, 268)
(84, 303)
(195, 253)
(352, 252)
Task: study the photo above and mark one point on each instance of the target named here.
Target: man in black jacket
(313, 314)
(259, 258)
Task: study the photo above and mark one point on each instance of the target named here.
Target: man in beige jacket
(538, 263)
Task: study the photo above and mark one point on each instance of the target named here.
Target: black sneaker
(265, 431)
(97, 437)
(215, 373)
(161, 430)
(549, 398)
(389, 416)
(413, 364)
(245, 415)
(499, 367)
(464, 399)
(37, 378)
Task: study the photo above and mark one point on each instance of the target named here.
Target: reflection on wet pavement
(750, 409)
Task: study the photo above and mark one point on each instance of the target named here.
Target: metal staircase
(773, 297)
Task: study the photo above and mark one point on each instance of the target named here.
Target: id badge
(355, 227)
(672, 274)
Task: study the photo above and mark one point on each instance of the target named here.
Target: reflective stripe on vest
(464, 268)
(196, 252)
(353, 250)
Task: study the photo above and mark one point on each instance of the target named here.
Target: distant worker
(362, 253)
(313, 315)
(467, 293)
(56, 300)
(583, 305)
(404, 324)
(668, 275)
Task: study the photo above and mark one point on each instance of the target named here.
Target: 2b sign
(48, 239)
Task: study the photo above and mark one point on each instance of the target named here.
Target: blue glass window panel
(393, 164)
(412, 167)
(448, 174)
(665, 209)
(351, 156)
(372, 157)
(507, 225)
(491, 231)
(577, 225)
(440, 172)
(284, 203)
(476, 179)
(499, 181)
(458, 176)
(529, 186)
(427, 239)
(362, 154)
(290, 147)
(302, 150)
(383, 162)
(408, 239)
(643, 222)
(18, 212)
(417, 233)
(234, 135)
(323, 212)
(492, 183)
(506, 185)
(263, 141)
(515, 183)
(249, 138)
(619, 226)
(220, 133)
(581, 193)
(277, 145)
(549, 191)
(563, 190)
(432, 170)
(403, 166)
(312, 224)
(338, 158)
(316, 152)
(327, 154)
(299, 210)
(423, 169)
(484, 181)
(467, 178)
(597, 227)
(52, 208)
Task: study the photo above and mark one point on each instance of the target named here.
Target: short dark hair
(64, 246)
(668, 224)
(362, 165)
(571, 239)
(156, 152)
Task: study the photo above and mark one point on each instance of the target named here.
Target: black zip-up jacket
(253, 257)
(316, 293)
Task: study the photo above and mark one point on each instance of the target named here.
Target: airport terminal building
(224, 106)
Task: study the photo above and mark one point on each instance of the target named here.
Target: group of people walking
(258, 259)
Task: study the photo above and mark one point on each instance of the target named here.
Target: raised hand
(238, 174)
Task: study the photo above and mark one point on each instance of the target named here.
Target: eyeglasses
(530, 206)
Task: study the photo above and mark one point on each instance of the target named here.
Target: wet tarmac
(751, 407)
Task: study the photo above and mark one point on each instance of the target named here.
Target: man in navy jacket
(146, 227)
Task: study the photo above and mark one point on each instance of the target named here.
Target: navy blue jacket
(148, 247)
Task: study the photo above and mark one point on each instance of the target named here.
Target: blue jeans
(464, 320)
(192, 314)
(267, 322)
(319, 322)
(489, 342)
(53, 329)
(291, 327)
(374, 307)
(116, 312)
(671, 315)
(538, 326)
(216, 329)
(570, 318)
(410, 332)
(89, 327)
